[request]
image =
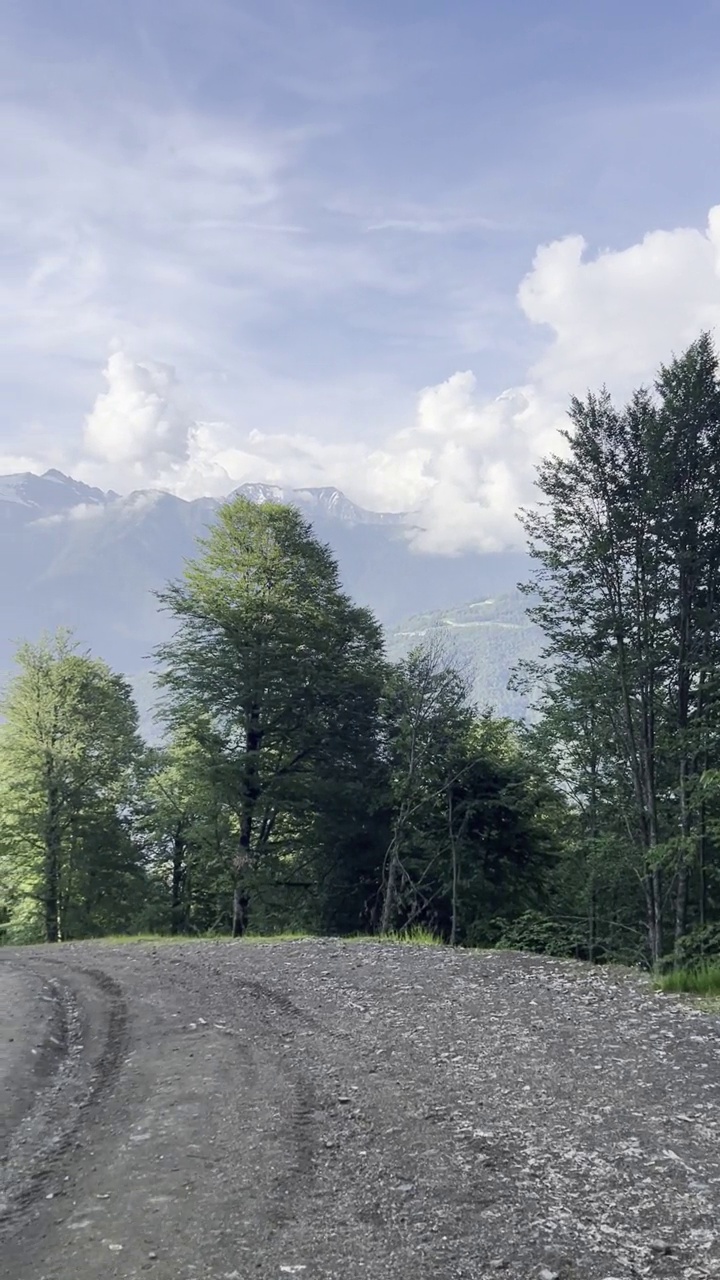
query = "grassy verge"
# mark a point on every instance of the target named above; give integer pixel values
(702, 982)
(413, 937)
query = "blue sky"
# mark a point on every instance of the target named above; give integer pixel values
(340, 242)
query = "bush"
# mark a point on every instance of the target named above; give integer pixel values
(698, 948)
(533, 931)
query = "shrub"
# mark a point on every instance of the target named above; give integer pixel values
(533, 931)
(698, 948)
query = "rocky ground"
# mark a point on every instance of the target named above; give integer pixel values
(225, 1111)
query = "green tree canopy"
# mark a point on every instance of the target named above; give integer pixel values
(69, 756)
(276, 672)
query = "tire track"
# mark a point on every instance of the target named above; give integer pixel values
(302, 1105)
(86, 1047)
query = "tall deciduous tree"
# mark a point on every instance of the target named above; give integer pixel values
(627, 541)
(277, 670)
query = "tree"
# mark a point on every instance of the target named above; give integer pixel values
(69, 752)
(186, 832)
(627, 542)
(277, 676)
(426, 712)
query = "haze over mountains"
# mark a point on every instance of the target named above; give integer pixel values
(75, 555)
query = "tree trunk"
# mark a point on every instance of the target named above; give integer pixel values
(248, 807)
(702, 880)
(178, 912)
(454, 856)
(241, 902)
(658, 941)
(390, 891)
(52, 862)
(681, 901)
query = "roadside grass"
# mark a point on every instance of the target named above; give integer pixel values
(415, 936)
(703, 981)
(418, 937)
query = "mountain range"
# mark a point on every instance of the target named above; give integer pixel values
(75, 555)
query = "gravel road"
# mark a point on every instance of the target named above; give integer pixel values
(350, 1111)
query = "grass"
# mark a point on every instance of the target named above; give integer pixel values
(418, 936)
(701, 981)
(415, 936)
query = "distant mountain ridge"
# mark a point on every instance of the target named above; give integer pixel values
(325, 499)
(61, 493)
(75, 555)
(50, 492)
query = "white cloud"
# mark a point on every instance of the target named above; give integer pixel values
(613, 319)
(138, 421)
(81, 511)
(615, 316)
(464, 461)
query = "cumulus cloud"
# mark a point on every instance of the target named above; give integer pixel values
(611, 318)
(465, 460)
(139, 421)
(615, 315)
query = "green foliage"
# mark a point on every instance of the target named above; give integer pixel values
(626, 538)
(698, 948)
(533, 931)
(69, 761)
(698, 980)
(275, 675)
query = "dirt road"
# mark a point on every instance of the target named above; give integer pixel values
(327, 1110)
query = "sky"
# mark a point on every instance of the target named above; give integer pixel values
(371, 245)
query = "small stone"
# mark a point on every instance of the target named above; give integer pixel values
(546, 1274)
(660, 1246)
(152, 1255)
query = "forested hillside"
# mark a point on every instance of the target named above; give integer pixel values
(313, 777)
(485, 640)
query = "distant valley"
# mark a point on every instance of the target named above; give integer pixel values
(485, 639)
(74, 555)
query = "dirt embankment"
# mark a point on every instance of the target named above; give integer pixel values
(320, 1109)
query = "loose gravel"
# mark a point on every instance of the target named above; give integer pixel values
(332, 1110)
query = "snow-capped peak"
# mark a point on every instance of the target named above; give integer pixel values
(47, 494)
(260, 493)
(324, 500)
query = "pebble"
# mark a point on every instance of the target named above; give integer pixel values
(659, 1246)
